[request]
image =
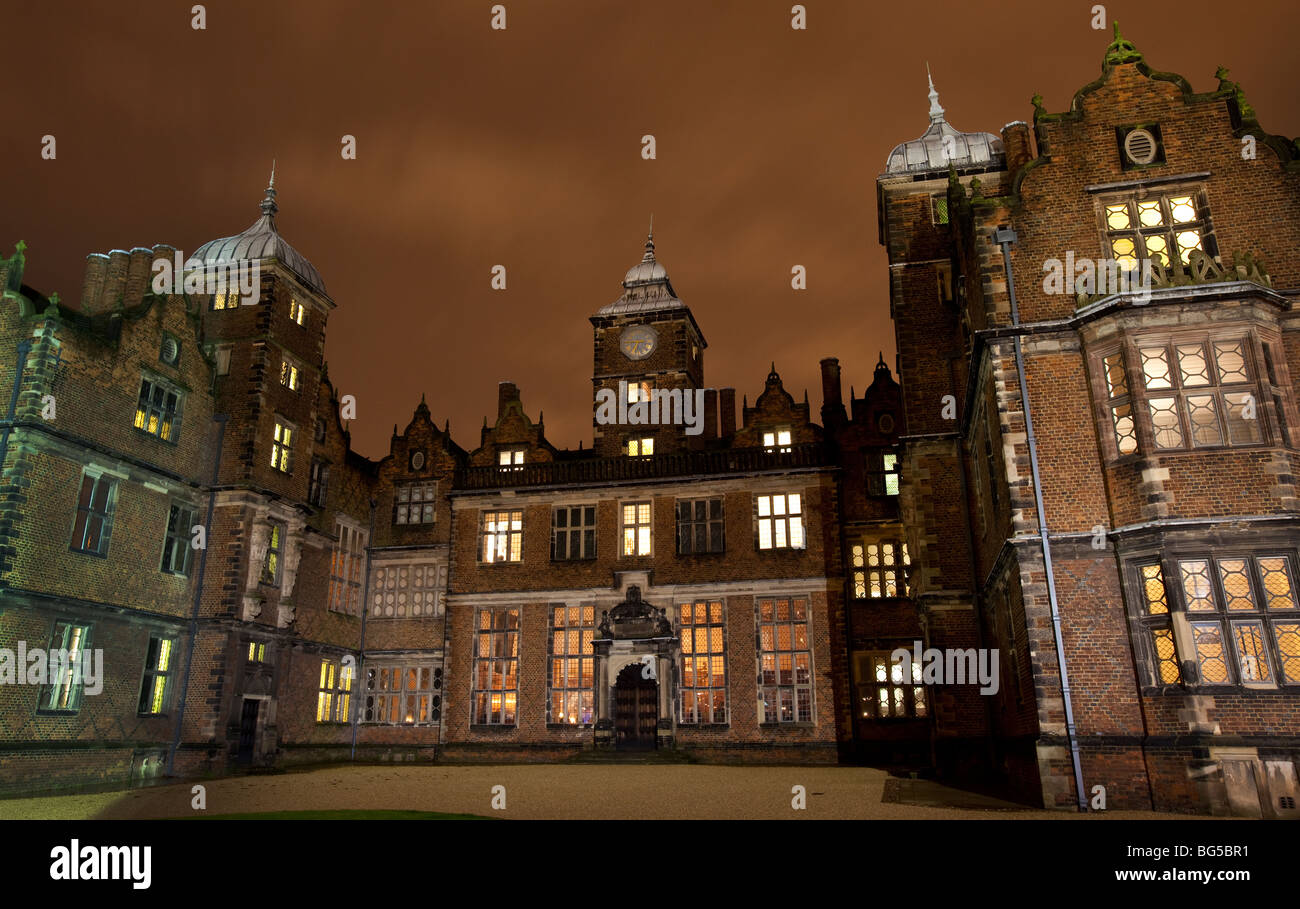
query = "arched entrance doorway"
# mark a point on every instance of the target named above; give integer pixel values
(636, 709)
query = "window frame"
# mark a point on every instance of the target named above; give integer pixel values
(784, 520)
(70, 688)
(511, 535)
(387, 695)
(688, 523)
(159, 701)
(168, 415)
(506, 715)
(561, 655)
(178, 537)
(911, 706)
(282, 454)
(865, 576)
(318, 482)
(715, 657)
(775, 651)
(637, 527)
(347, 567)
(273, 557)
(585, 531)
(425, 504)
(81, 525)
(334, 692)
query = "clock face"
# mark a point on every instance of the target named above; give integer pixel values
(638, 342)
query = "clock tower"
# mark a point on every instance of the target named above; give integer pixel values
(646, 341)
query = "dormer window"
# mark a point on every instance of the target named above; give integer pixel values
(640, 448)
(777, 439)
(510, 458)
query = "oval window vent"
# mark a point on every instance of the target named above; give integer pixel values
(417, 460)
(1140, 146)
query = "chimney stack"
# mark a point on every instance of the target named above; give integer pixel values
(727, 412)
(506, 392)
(832, 395)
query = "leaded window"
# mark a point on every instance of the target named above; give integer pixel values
(158, 410)
(1158, 226)
(571, 689)
(334, 697)
(1200, 393)
(177, 551)
(66, 682)
(496, 667)
(703, 690)
(880, 569)
(415, 503)
(156, 683)
(402, 695)
(94, 522)
(502, 536)
(346, 567)
(785, 661)
(636, 529)
(885, 690)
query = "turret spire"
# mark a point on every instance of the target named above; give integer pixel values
(269, 208)
(936, 112)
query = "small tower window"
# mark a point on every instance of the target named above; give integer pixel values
(939, 208)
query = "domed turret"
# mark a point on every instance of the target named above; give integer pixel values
(645, 286)
(942, 146)
(261, 242)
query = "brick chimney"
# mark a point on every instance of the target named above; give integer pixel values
(710, 413)
(727, 412)
(1016, 142)
(832, 395)
(506, 392)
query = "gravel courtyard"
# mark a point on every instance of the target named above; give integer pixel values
(566, 791)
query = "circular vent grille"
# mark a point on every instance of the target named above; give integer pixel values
(417, 460)
(1140, 146)
(171, 350)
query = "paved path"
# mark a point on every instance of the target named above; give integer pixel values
(543, 791)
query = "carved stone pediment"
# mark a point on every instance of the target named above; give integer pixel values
(634, 618)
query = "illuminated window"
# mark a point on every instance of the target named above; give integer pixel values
(297, 312)
(334, 699)
(282, 447)
(289, 374)
(703, 690)
(158, 410)
(94, 522)
(402, 695)
(700, 526)
(1157, 227)
(496, 667)
(318, 486)
(939, 208)
(177, 550)
(271, 558)
(156, 683)
(639, 392)
(510, 458)
(415, 503)
(63, 692)
(345, 568)
(882, 473)
(408, 589)
(1163, 654)
(777, 439)
(640, 448)
(780, 521)
(880, 569)
(503, 536)
(883, 690)
(573, 532)
(1200, 393)
(571, 690)
(1242, 612)
(636, 529)
(1119, 403)
(256, 652)
(227, 300)
(785, 661)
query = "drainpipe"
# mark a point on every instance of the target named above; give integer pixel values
(1004, 237)
(361, 655)
(220, 420)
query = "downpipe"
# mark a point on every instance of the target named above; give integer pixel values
(1004, 237)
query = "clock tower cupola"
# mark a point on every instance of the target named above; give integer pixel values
(645, 341)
